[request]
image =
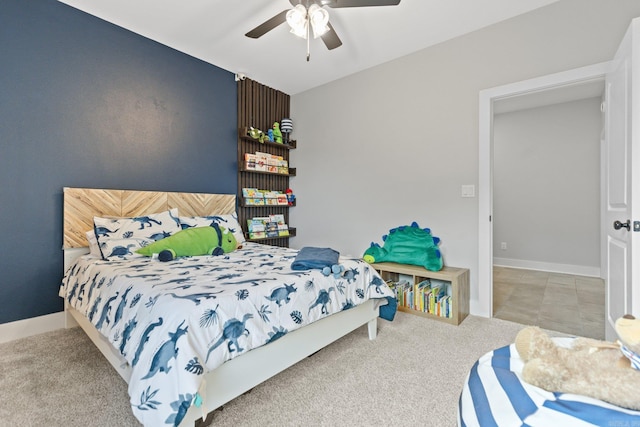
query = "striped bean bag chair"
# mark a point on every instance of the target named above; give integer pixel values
(495, 395)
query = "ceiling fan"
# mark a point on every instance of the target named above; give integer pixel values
(308, 15)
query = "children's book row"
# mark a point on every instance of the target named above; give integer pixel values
(255, 197)
(267, 226)
(429, 296)
(265, 162)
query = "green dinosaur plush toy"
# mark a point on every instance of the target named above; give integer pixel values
(277, 134)
(209, 240)
(257, 134)
(407, 245)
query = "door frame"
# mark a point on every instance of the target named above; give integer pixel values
(487, 98)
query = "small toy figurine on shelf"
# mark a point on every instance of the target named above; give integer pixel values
(256, 134)
(291, 198)
(277, 135)
(270, 135)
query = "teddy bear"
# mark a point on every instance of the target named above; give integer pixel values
(589, 367)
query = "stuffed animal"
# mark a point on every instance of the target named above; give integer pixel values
(257, 134)
(407, 245)
(589, 367)
(336, 269)
(628, 330)
(277, 134)
(209, 240)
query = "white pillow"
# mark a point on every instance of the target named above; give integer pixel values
(228, 221)
(119, 238)
(94, 249)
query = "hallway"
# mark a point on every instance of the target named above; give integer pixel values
(560, 302)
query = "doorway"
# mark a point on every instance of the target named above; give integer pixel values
(530, 91)
(546, 210)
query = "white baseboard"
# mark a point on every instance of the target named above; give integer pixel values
(476, 309)
(32, 326)
(578, 270)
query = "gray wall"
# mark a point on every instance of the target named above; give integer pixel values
(395, 143)
(546, 185)
(87, 104)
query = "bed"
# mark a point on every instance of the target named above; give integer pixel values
(192, 334)
(495, 395)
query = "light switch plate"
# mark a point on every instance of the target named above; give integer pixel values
(468, 191)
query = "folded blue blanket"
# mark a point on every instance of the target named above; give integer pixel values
(310, 257)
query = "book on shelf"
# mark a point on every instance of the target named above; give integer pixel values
(283, 230)
(272, 165)
(250, 161)
(257, 235)
(252, 193)
(277, 218)
(256, 224)
(271, 228)
(261, 161)
(256, 228)
(268, 226)
(254, 201)
(428, 296)
(283, 167)
(256, 197)
(265, 162)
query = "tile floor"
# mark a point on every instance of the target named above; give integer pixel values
(560, 302)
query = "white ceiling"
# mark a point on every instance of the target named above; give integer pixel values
(213, 31)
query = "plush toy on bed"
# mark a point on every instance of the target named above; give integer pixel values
(407, 245)
(336, 269)
(592, 368)
(209, 240)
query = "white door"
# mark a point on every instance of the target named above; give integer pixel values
(621, 169)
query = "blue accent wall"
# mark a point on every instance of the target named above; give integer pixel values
(84, 103)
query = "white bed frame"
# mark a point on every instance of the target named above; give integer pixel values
(238, 375)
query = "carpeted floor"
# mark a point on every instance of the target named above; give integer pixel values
(411, 375)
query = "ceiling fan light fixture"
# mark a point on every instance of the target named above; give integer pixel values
(297, 20)
(319, 19)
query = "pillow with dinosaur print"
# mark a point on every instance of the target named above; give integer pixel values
(118, 238)
(228, 221)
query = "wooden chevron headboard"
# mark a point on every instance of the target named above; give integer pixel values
(82, 204)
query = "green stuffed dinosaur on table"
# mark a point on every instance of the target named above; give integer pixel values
(209, 240)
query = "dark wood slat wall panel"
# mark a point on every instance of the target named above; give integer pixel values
(260, 106)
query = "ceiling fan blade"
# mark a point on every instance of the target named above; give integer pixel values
(359, 3)
(268, 25)
(347, 3)
(331, 39)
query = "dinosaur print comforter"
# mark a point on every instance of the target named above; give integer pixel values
(174, 321)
